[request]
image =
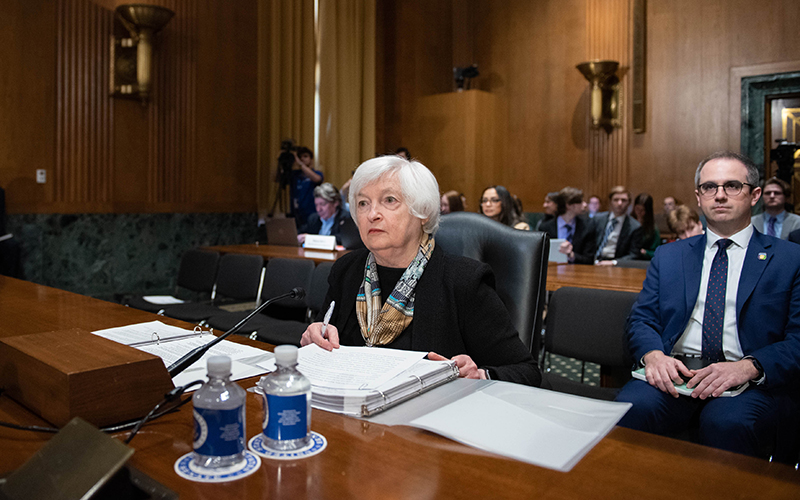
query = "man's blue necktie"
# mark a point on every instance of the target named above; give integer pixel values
(570, 233)
(714, 312)
(771, 226)
(609, 229)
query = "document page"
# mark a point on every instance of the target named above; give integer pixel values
(145, 333)
(353, 367)
(545, 428)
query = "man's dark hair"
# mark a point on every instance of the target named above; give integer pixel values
(568, 196)
(753, 174)
(302, 150)
(785, 187)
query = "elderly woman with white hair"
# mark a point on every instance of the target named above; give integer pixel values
(404, 292)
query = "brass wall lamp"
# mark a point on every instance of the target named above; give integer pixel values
(132, 58)
(605, 93)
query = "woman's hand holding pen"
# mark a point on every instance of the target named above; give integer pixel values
(313, 335)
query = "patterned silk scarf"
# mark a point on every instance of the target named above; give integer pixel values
(381, 325)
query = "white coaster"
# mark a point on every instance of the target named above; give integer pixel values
(186, 468)
(258, 445)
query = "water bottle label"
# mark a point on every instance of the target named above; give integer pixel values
(219, 432)
(285, 417)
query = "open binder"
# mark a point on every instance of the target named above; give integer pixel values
(363, 381)
(421, 377)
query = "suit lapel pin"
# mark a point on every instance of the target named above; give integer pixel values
(762, 256)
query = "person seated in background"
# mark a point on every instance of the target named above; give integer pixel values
(497, 204)
(329, 216)
(570, 225)
(404, 292)
(593, 207)
(670, 203)
(717, 311)
(451, 202)
(776, 221)
(643, 213)
(618, 236)
(684, 222)
(550, 207)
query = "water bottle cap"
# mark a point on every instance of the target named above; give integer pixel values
(219, 366)
(286, 355)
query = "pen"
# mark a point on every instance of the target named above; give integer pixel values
(327, 318)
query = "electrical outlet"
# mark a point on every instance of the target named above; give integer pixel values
(41, 176)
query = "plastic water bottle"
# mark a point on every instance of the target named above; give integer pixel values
(219, 418)
(287, 403)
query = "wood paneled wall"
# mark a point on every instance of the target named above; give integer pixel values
(527, 51)
(192, 148)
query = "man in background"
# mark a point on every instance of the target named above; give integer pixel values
(776, 221)
(618, 235)
(304, 180)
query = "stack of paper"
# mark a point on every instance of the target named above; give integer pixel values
(367, 380)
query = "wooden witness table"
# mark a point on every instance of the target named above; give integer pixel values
(601, 277)
(285, 252)
(366, 460)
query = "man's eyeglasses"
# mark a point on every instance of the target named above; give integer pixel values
(732, 188)
(484, 201)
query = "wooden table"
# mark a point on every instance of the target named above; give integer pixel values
(285, 252)
(366, 460)
(602, 277)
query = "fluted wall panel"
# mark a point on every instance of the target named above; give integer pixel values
(171, 118)
(84, 112)
(608, 37)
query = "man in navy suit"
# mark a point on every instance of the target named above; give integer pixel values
(619, 236)
(729, 301)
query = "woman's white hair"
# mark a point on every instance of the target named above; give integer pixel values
(418, 185)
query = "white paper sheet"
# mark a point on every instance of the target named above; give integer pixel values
(141, 333)
(353, 367)
(537, 426)
(163, 299)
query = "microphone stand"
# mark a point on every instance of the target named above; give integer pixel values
(197, 353)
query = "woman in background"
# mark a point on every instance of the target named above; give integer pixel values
(451, 202)
(643, 213)
(497, 204)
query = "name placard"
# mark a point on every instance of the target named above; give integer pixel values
(319, 242)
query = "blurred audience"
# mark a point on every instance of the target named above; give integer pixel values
(497, 203)
(329, 216)
(619, 236)
(570, 225)
(643, 213)
(594, 206)
(451, 202)
(684, 222)
(776, 221)
(550, 207)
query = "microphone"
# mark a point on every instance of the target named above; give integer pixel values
(197, 353)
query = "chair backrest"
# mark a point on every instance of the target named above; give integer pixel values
(318, 289)
(517, 258)
(283, 275)
(239, 276)
(589, 325)
(638, 264)
(198, 270)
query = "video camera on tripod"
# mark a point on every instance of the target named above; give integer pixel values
(286, 161)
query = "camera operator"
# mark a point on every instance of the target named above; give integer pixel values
(295, 170)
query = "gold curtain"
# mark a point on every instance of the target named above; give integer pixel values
(286, 59)
(347, 86)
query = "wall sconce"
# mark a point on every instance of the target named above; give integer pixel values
(132, 58)
(605, 93)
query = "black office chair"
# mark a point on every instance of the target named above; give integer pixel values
(197, 272)
(278, 332)
(282, 275)
(517, 258)
(238, 280)
(638, 264)
(589, 325)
